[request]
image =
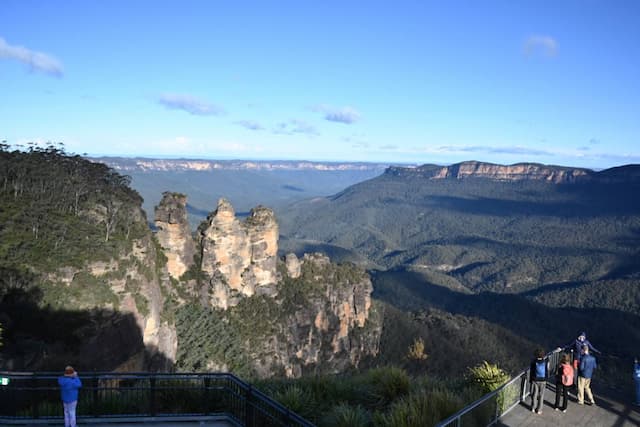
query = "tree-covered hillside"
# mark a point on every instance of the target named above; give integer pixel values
(483, 234)
(69, 232)
(525, 259)
(60, 210)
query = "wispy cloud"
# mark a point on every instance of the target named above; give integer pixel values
(347, 115)
(388, 147)
(190, 104)
(295, 126)
(540, 45)
(250, 124)
(492, 150)
(357, 141)
(36, 61)
(594, 141)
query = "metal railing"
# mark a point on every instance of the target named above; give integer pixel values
(28, 396)
(487, 410)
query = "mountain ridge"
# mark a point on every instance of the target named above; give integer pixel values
(205, 165)
(517, 171)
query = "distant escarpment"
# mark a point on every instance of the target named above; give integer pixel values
(518, 171)
(248, 311)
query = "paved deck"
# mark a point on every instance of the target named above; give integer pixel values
(124, 423)
(611, 410)
(149, 424)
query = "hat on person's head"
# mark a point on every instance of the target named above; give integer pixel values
(69, 371)
(582, 334)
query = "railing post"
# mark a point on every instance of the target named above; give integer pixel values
(34, 400)
(206, 395)
(152, 395)
(248, 407)
(95, 395)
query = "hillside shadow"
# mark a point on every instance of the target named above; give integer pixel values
(613, 331)
(37, 338)
(552, 287)
(594, 200)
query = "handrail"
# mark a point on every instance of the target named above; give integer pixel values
(487, 410)
(35, 395)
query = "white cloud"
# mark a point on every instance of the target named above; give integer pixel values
(347, 115)
(295, 126)
(540, 45)
(36, 61)
(190, 104)
(250, 124)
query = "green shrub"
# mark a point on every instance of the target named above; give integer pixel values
(297, 399)
(487, 376)
(419, 410)
(384, 385)
(344, 415)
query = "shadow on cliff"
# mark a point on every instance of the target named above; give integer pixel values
(612, 331)
(39, 338)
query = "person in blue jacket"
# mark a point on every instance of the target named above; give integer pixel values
(69, 385)
(636, 377)
(587, 366)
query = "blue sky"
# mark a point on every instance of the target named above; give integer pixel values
(554, 82)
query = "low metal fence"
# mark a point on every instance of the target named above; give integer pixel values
(27, 396)
(487, 410)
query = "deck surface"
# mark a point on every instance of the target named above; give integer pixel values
(611, 410)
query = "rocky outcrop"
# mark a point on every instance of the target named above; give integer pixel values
(515, 172)
(174, 233)
(128, 329)
(326, 323)
(293, 265)
(239, 257)
(288, 316)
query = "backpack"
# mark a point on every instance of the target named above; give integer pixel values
(567, 374)
(541, 370)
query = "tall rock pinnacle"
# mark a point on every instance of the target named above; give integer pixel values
(240, 257)
(174, 233)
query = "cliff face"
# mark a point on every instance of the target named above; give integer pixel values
(240, 257)
(326, 324)
(138, 337)
(519, 171)
(174, 233)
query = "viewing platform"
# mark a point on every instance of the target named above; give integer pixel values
(223, 400)
(129, 399)
(510, 406)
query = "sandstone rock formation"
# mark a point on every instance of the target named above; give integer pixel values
(290, 316)
(240, 257)
(326, 323)
(519, 171)
(174, 233)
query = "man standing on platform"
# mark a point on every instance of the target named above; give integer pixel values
(585, 373)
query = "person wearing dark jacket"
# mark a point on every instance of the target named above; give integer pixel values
(69, 385)
(576, 347)
(587, 366)
(538, 373)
